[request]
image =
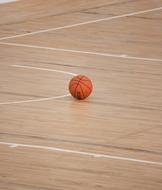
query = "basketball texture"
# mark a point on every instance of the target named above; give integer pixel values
(80, 87)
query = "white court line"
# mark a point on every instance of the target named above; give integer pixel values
(43, 69)
(34, 100)
(55, 149)
(7, 1)
(40, 99)
(123, 56)
(83, 23)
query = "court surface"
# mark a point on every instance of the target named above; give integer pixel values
(110, 141)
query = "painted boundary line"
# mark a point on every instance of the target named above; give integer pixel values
(34, 100)
(7, 1)
(123, 56)
(43, 69)
(83, 23)
(40, 99)
(82, 153)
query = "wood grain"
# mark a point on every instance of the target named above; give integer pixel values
(122, 117)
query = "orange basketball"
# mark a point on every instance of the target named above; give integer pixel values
(80, 87)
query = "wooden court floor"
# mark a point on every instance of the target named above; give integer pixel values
(110, 141)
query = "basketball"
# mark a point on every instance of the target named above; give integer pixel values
(80, 87)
